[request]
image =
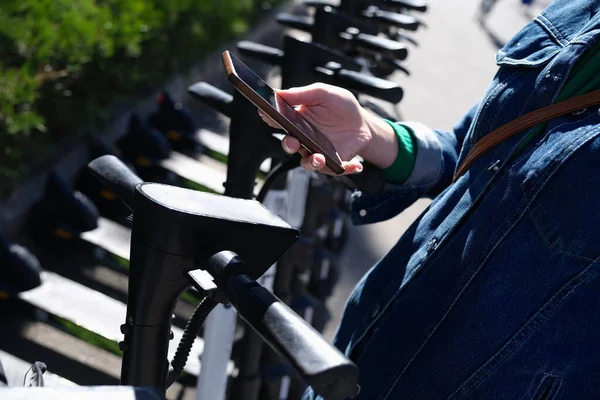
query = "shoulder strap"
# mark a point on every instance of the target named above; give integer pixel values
(525, 122)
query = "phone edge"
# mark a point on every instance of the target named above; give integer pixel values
(275, 115)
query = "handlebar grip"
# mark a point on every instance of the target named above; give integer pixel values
(304, 24)
(115, 175)
(268, 54)
(213, 97)
(415, 5)
(392, 18)
(383, 45)
(362, 83)
(323, 366)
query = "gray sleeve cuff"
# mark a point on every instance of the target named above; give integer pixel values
(427, 171)
(429, 161)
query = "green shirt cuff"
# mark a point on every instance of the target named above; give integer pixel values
(400, 170)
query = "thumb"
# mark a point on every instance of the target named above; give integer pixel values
(310, 95)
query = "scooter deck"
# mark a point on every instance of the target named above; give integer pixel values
(110, 236)
(208, 173)
(218, 147)
(81, 392)
(211, 177)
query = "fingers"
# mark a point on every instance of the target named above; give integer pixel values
(352, 167)
(313, 162)
(316, 162)
(310, 95)
(291, 145)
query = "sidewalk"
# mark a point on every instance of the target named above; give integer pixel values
(450, 70)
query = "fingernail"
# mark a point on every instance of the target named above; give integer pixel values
(315, 164)
(285, 147)
(359, 168)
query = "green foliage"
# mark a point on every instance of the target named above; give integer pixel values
(65, 64)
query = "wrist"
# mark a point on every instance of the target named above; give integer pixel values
(382, 148)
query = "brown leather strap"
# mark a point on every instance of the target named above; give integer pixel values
(525, 122)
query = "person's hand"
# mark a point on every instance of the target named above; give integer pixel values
(337, 114)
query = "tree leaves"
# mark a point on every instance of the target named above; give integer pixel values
(64, 62)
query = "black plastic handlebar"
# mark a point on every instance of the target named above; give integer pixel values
(323, 366)
(267, 54)
(398, 20)
(360, 82)
(376, 87)
(319, 3)
(305, 24)
(415, 5)
(214, 97)
(381, 45)
(116, 176)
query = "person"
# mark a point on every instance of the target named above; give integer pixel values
(493, 292)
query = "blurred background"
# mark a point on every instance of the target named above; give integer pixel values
(79, 79)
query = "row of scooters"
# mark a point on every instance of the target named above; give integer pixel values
(354, 44)
(66, 210)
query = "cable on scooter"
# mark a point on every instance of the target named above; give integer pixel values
(192, 328)
(275, 174)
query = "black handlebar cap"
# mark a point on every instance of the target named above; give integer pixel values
(116, 177)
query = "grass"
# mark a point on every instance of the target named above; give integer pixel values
(87, 335)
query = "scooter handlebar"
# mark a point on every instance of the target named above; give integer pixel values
(382, 89)
(415, 5)
(116, 176)
(257, 51)
(304, 24)
(214, 97)
(327, 370)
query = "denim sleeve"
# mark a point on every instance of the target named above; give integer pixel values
(435, 163)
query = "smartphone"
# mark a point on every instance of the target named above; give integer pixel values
(257, 91)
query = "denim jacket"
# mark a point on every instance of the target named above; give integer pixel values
(494, 291)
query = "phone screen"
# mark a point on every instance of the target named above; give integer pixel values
(263, 90)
